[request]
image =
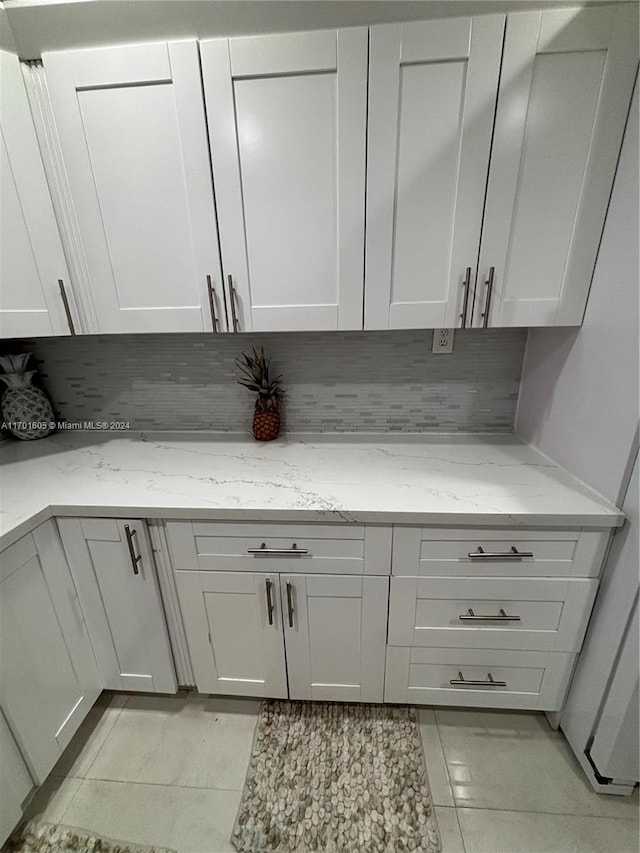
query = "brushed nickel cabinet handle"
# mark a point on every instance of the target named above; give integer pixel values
(67, 309)
(294, 551)
(232, 300)
(466, 284)
(269, 585)
(513, 554)
(470, 616)
(135, 558)
(290, 603)
(212, 304)
(487, 304)
(461, 680)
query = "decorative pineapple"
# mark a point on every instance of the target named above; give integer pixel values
(254, 375)
(25, 408)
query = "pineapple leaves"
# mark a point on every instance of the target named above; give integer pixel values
(254, 375)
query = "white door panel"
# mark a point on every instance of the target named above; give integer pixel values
(431, 104)
(31, 259)
(565, 88)
(287, 125)
(335, 633)
(234, 632)
(48, 680)
(132, 128)
(121, 602)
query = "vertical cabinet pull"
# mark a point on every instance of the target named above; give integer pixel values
(269, 586)
(466, 284)
(487, 303)
(67, 309)
(232, 301)
(212, 304)
(290, 603)
(135, 558)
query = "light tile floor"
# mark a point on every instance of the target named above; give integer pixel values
(169, 770)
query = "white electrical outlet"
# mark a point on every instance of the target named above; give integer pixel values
(442, 340)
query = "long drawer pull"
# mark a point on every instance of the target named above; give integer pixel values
(470, 616)
(135, 558)
(470, 683)
(294, 551)
(513, 554)
(269, 584)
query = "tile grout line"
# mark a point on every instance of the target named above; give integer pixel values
(104, 740)
(464, 846)
(162, 785)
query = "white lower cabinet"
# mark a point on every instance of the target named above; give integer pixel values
(233, 624)
(111, 563)
(538, 614)
(15, 781)
(335, 630)
(477, 677)
(48, 675)
(250, 632)
(489, 618)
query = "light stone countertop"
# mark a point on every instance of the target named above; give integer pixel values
(429, 479)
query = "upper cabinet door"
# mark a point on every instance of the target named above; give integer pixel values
(287, 128)
(432, 93)
(133, 134)
(31, 260)
(566, 84)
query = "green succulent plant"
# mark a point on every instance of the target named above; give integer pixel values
(254, 375)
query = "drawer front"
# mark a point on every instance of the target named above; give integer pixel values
(490, 613)
(480, 553)
(309, 548)
(477, 677)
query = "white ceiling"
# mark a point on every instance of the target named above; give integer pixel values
(39, 25)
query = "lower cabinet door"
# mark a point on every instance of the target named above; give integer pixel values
(234, 632)
(335, 634)
(48, 679)
(113, 570)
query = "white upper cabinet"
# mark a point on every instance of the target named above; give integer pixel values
(32, 263)
(133, 135)
(566, 83)
(432, 92)
(287, 129)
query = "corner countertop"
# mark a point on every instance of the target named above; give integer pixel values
(428, 479)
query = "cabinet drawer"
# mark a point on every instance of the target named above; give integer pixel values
(532, 680)
(482, 552)
(309, 548)
(530, 613)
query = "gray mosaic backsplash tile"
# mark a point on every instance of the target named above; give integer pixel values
(335, 382)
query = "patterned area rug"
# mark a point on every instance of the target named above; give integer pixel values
(336, 778)
(40, 837)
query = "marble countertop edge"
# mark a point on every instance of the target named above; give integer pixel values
(459, 480)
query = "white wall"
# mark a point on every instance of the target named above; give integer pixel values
(579, 391)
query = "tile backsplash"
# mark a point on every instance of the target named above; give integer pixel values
(335, 382)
